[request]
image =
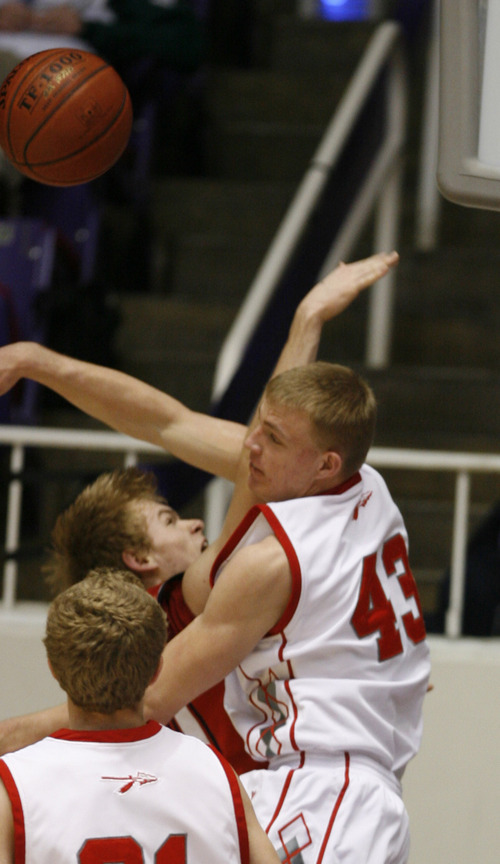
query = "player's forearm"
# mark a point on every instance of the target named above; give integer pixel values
(128, 405)
(328, 299)
(301, 346)
(191, 665)
(18, 732)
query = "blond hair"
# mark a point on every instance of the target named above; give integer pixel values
(104, 638)
(339, 403)
(101, 523)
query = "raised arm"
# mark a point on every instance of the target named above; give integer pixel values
(325, 301)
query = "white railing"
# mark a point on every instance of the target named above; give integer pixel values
(462, 465)
(20, 437)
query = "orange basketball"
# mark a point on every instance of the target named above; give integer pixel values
(65, 116)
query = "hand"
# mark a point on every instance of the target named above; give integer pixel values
(64, 20)
(15, 17)
(337, 290)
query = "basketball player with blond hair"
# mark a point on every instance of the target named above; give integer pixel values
(112, 787)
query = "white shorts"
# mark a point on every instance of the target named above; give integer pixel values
(348, 812)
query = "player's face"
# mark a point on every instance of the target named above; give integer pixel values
(284, 461)
(175, 542)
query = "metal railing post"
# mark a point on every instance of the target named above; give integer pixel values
(453, 625)
(14, 501)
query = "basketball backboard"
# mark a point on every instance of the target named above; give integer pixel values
(469, 95)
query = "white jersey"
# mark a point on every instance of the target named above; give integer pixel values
(346, 668)
(147, 794)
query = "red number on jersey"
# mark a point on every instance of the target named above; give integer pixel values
(374, 611)
(395, 550)
(126, 850)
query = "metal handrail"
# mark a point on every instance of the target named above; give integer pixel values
(20, 437)
(380, 192)
(463, 465)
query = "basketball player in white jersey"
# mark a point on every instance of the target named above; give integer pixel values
(325, 793)
(314, 617)
(112, 787)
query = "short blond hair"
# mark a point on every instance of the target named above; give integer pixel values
(99, 526)
(104, 638)
(339, 403)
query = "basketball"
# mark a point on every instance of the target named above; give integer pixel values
(65, 117)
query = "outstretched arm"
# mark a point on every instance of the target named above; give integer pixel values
(128, 405)
(135, 408)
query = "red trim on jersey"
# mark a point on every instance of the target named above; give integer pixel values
(251, 516)
(288, 549)
(110, 736)
(239, 809)
(295, 714)
(257, 707)
(266, 730)
(233, 541)
(17, 814)
(293, 561)
(335, 809)
(171, 599)
(343, 487)
(286, 786)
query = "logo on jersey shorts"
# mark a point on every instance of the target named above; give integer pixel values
(294, 837)
(279, 715)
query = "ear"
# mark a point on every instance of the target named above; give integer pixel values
(141, 563)
(330, 466)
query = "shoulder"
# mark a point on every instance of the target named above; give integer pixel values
(264, 559)
(256, 583)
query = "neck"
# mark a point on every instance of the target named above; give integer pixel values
(126, 718)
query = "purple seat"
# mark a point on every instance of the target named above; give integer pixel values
(75, 212)
(27, 248)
